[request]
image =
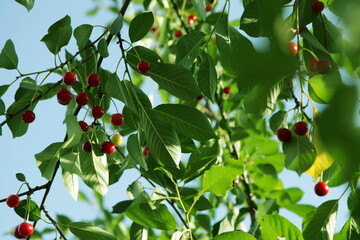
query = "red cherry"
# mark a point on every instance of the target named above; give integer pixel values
(143, 66)
(17, 234)
(208, 7)
(227, 90)
(317, 6)
(146, 151)
(293, 48)
(284, 134)
(301, 128)
(26, 229)
(117, 119)
(84, 126)
(13, 201)
(312, 65)
(323, 66)
(69, 78)
(178, 33)
(192, 19)
(86, 146)
(82, 99)
(93, 80)
(28, 116)
(199, 97)
(321, 189)
(97, 112)
(108, 147)
(154, 29)
(64, 96)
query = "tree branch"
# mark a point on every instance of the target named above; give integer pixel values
(179, 16)
(29, 192)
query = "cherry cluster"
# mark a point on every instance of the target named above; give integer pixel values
(25, 229)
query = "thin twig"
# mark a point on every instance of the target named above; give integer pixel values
(29, 192)
(179, 16)
(62, 236)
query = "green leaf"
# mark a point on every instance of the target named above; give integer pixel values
(29, 83)
(201, 161)
(306, 15)
(175, 79)
(2, 107)
(3, 89)
(186, 120)
(158, 218)
(350, 231)
(140, 26)
(58, 35)
(73, 130)
(30, 208)
(321, 221)
(262, 99)
(121, 207)
(353, 205)
(328, 34)
(188, 48)
(300, 153)
(8, 57)
(140, 53)
(278, 120)
(85, 231)
(340, 136)
(137, 232)
(28, 4)
(82, 35)
(234, 235)
(135, 151)
(207, 78)
(251, 20)
(47, 159)
(116, 25)
(313, 41)
(71, 162)
(21, 177)
(161, 138)
(324, 86)
(218, 179)
(103, 48)
(94, 172)
(71, 182)
(200, 7)
(300, 209)
(276, 227)
(234, 51)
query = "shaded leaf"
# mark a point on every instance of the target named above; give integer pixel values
(47, 159)
(188, 48)
(85, 231)
(140, 26)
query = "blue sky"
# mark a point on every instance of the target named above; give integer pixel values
(17, 155)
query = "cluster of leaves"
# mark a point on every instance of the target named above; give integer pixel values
(233, 160)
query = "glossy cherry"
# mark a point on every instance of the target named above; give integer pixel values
(117, 119)
(93, 80)
(13, 201)
(301, 128)
(86, 146)
(82, 99)
(323, 66)
(26, 229)
(178, 34)
(69, 78)
(143, 66)
(312, 65)
(192, 19)
(293, 48)
(209, 7)
(317, 6)
(146, 151)
(97, 112)
(84, 126)
(64, 96)
(321, 189)
(108, 147)
(227, 90)
(284, 134)
(116, 139)
(199, 97)
(17, 234)
(28, 116)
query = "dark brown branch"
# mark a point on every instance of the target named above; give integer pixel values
(29, 192)
(62, 236)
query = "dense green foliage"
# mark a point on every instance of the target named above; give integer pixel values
(207, 148)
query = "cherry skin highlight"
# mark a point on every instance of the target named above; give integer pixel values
(13, 201)
(117, 119)
(143, 66)
(82, 99)
(64, 96)
(321, 189)
(69, 78)
(28, 116)
(108, 147)
(26, 229)
(97, 112)
(301, 128)
(84, 126)
(93, 80)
